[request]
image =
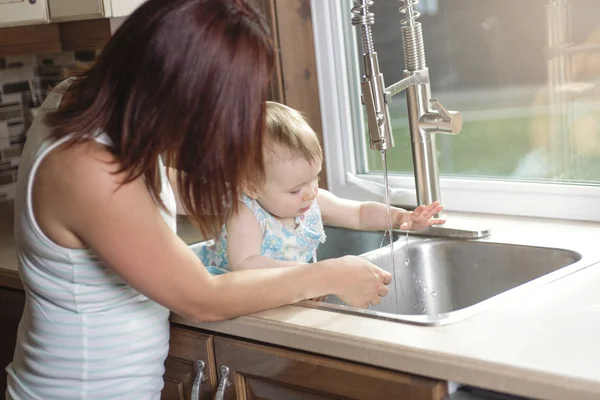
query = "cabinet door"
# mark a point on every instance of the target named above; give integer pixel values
(270, 373)
(22, 12)
(11, 307)
(275, 88)
(122, 8)
(187, 348)
(63, 10)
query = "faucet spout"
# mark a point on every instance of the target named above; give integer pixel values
(374, 97)
(375, 101)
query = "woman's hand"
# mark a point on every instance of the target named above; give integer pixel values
(420, 218)
(360, 282)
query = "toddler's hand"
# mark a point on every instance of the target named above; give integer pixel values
(420, 218)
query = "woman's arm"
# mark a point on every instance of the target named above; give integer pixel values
(372, 216)
(123, 225)
(244, 240)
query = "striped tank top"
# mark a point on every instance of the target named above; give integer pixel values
(84, 332)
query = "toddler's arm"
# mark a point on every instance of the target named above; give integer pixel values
(370, 215)
(244, 238)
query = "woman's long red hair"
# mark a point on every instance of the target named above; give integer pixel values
(183, 79)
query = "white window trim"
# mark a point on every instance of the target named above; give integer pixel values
(340, 121)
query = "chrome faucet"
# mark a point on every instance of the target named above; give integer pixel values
(426, 115)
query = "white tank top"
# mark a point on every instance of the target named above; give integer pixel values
(84, 333)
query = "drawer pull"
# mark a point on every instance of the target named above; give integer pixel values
(198, 380)
(224, 384)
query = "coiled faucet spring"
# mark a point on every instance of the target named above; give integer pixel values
(365, 19)
(408, 10)
(412, 37)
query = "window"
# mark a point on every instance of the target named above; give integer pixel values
(530, 142)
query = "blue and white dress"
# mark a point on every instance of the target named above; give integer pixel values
(279, 242)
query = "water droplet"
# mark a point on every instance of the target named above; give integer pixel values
(406, 259)
(433, 293)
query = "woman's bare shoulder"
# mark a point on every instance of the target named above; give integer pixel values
(72, 180)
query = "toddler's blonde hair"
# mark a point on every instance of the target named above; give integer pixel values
(287, 128)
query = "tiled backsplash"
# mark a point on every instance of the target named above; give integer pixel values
(24, 83)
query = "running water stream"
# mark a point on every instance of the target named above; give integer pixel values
(397, 284)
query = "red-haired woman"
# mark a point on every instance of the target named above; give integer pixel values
(181, 81)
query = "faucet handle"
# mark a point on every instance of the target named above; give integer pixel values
(442, 121)
(435, 103)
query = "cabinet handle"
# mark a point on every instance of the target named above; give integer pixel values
(198, 380)
(224, 384)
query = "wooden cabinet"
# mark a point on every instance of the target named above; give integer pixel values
(191, 360)
(11, 306)
(251, 371)
(23, 12)
(258, 371)
(65, 10)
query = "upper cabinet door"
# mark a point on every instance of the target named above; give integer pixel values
(122, 8)
(64, 10)
(23, 12)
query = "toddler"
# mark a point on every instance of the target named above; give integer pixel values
(281, 221)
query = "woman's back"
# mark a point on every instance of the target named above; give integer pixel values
(85, 333)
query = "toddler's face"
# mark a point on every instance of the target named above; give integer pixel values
(291, 187)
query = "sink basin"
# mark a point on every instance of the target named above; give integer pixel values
(445, 280)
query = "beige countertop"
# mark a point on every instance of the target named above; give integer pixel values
(541, 344)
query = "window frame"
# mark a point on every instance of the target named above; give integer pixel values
(344, 156)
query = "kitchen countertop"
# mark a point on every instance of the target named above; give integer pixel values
(540, 344)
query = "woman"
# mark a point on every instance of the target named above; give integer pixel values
(98, 254)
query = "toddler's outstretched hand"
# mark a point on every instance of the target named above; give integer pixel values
(420, 218)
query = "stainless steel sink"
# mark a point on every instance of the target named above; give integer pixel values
(446, 280)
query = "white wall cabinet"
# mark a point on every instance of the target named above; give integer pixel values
(23, 12)
(65, 10)
(122, 8)
(30, 12)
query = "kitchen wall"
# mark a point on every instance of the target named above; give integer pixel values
(24, 83)
(25, 80)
